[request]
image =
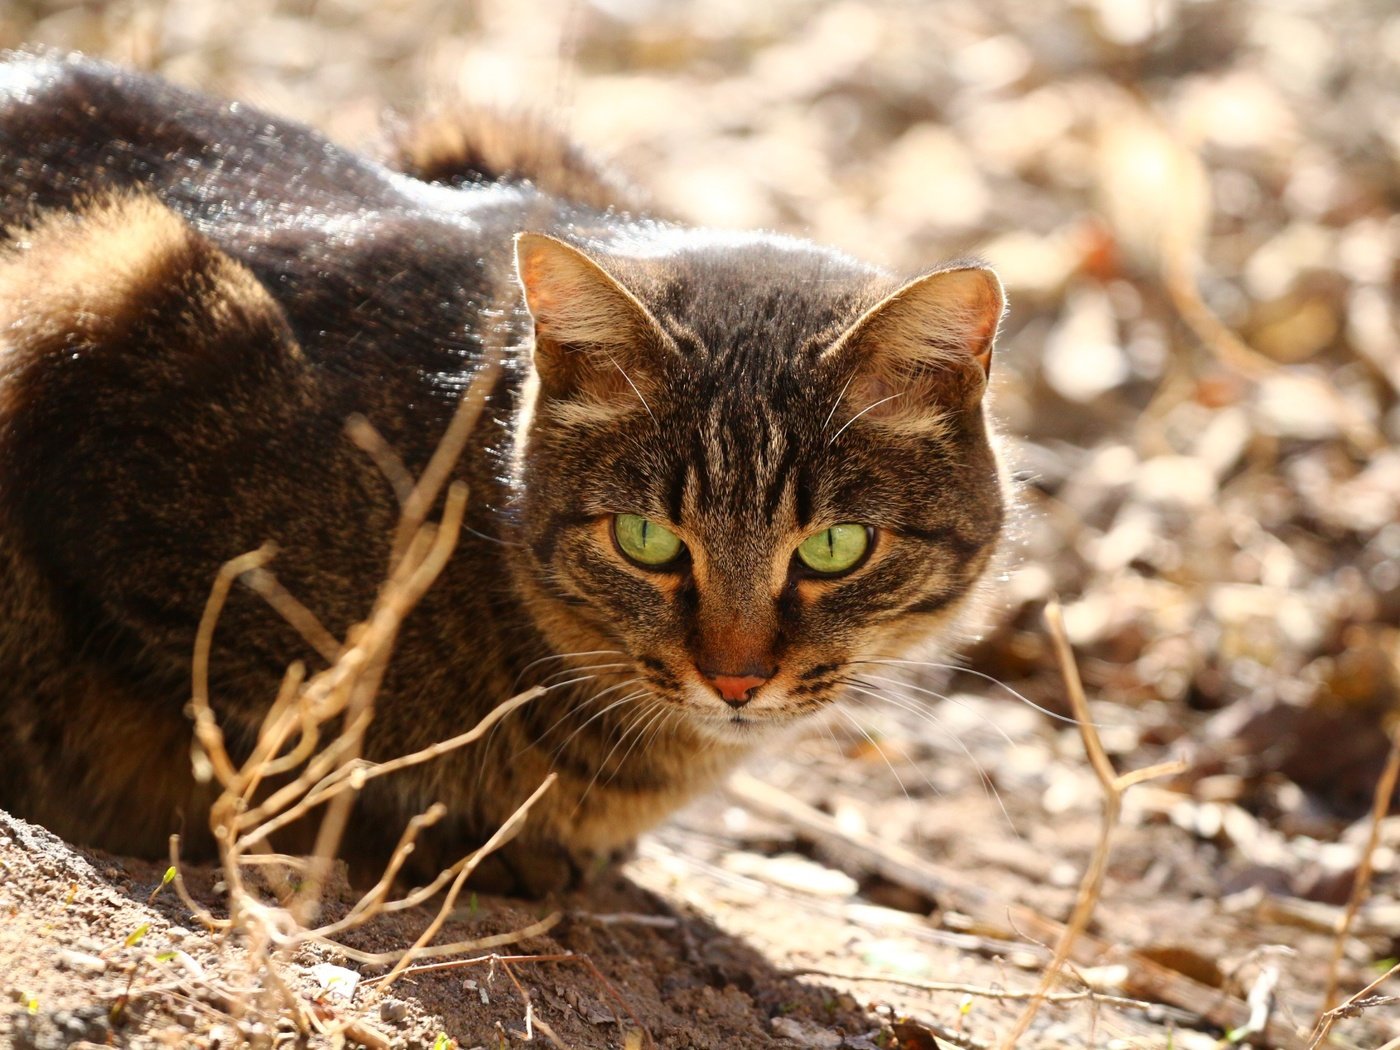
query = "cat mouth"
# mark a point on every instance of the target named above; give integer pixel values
(772, 706)
(736, 729)
(742, 726)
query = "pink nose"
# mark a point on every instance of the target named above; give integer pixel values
(735, 689)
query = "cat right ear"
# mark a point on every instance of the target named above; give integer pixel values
(593, 339)
(925, 350)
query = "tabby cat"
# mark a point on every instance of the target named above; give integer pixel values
(718, 470)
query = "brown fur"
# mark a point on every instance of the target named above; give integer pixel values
(194, 297)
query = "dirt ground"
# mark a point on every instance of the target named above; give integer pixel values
(1193, 204)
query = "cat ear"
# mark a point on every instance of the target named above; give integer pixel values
(926, 349)
(593, 339)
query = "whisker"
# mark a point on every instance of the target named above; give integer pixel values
(921, 711)
(849, 380)
(977, 674)
(634, 388)
(988, 722)
(576, 708)
(489, 741)
(587, 667)
(613, 706)
(862, 412)
(573, 681)
(880, 751)
(562, 656)
(491, 539)
(635, 724)
(649, 732)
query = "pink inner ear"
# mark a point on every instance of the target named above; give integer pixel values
(573, 300)
(982, 332)
(980, 341)
(541, 293)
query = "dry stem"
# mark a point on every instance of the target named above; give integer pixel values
(1380, 806)
(1113, 785)
(507, 960)
(1331, 1017)
(330, 774)
(981, 991)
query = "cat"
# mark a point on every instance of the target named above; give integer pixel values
(717, 471)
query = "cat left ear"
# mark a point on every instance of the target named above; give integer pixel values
(593, 339)
(927, 347)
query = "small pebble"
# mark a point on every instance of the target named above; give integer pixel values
(67, 959)
(393, 1010)
(805, 1034)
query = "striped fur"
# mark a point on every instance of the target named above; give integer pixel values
(194, 296)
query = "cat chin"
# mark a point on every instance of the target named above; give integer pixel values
(749, 726)
(738, 730)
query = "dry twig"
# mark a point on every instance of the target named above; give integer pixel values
(1347, 1009)
(329, 776)
(862, 851)
(1114, 785)
(507, 960)
(1380, 806)
(982, 991)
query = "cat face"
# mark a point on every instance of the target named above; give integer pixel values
(750, 464)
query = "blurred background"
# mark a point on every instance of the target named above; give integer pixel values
(1193, 204)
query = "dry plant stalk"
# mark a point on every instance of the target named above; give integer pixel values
(1114, 785)
(1354, 1004)
(330, 773)
(1380, 806)
(507, 961)
(979, 991)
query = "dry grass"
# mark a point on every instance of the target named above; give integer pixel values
(308, 761)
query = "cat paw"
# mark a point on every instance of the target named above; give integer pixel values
(536, 870)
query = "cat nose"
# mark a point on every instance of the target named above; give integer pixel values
(737, 689)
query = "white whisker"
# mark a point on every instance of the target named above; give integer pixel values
(576, 710)
(878, 750)
(989, 723)
(921, 711)
(634, 388)
(862, 412)
(563, 656)
(588, 667)
(648, 715)
(839, 397)
(976, 674)
(648, 732)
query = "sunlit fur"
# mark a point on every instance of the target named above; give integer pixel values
(194, 297)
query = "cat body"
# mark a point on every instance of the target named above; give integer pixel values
(196, 296)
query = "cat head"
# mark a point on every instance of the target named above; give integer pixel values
(749, 463)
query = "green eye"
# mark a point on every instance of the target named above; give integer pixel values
(646, 542)
(835, 550)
